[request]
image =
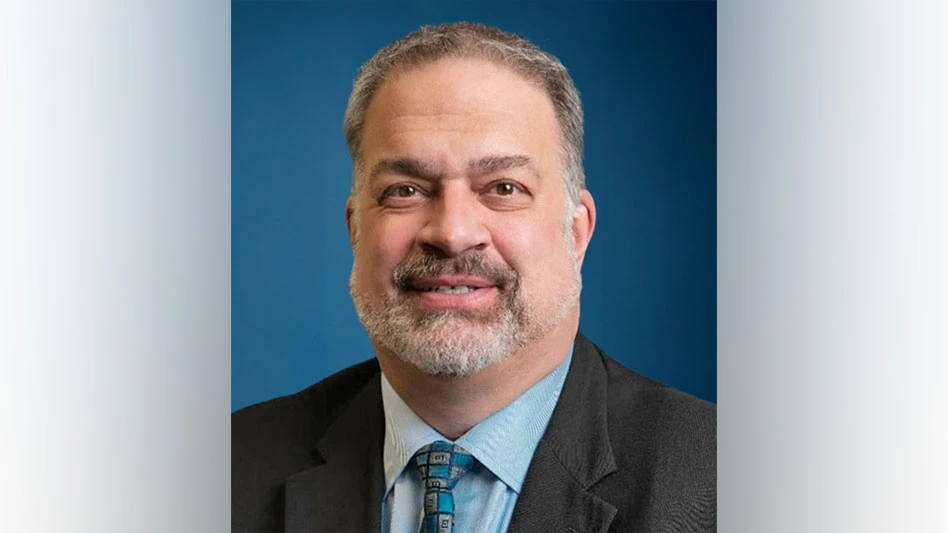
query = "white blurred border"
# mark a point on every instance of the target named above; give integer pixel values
(115, 258)
(115, 282)
(832, 262)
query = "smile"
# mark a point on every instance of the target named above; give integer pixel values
(454, 296)
(452, 289)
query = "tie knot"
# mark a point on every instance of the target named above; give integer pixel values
(441, 464)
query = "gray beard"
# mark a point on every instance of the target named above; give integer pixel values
(458, 343)
(446, 342)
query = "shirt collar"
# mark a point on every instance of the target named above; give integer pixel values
(503, 442)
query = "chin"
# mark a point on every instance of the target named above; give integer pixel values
(454, 350)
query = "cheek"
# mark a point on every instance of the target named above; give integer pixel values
(382, 245)
(535, 249)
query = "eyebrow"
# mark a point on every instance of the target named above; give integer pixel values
(406, 166)
(498, 163)
(417, 168)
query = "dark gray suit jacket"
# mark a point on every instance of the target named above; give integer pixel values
(621, 453)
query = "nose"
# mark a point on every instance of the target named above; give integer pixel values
(455, 224)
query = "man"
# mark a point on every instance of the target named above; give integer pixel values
(484, 409)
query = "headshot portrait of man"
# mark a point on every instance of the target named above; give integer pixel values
(485, 409)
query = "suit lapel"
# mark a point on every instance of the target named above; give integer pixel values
(573, 455)
(344, 493)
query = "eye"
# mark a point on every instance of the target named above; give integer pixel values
(402, 195)
(402, 190)
(505, 188)
(405, 191)
(506, 195)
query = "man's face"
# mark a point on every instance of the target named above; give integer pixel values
(463, 248)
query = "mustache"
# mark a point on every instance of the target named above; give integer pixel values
(412, 270)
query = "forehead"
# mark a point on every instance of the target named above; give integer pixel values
(454, 110)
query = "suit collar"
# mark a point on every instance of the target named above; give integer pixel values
(573, 455)
(332, 496)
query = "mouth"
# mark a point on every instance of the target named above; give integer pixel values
(449, 289)
(453, 292)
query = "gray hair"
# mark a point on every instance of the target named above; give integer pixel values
(464, 39)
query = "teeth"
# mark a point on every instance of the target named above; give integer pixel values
(461, 289)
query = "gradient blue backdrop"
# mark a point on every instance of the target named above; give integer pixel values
(646, 72)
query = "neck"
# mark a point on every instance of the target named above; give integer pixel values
(453, 406)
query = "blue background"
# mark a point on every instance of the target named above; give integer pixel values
(646, 73)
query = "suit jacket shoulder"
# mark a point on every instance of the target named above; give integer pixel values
(665, 445)
(276, 439)
(622, 453)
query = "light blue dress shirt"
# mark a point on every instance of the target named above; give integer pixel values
(503, 443)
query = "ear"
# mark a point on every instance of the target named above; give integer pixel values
(350, 222)
(584, 223)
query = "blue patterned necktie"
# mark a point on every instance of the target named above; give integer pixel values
(441, 465)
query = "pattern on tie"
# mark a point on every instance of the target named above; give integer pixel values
(441, 465)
